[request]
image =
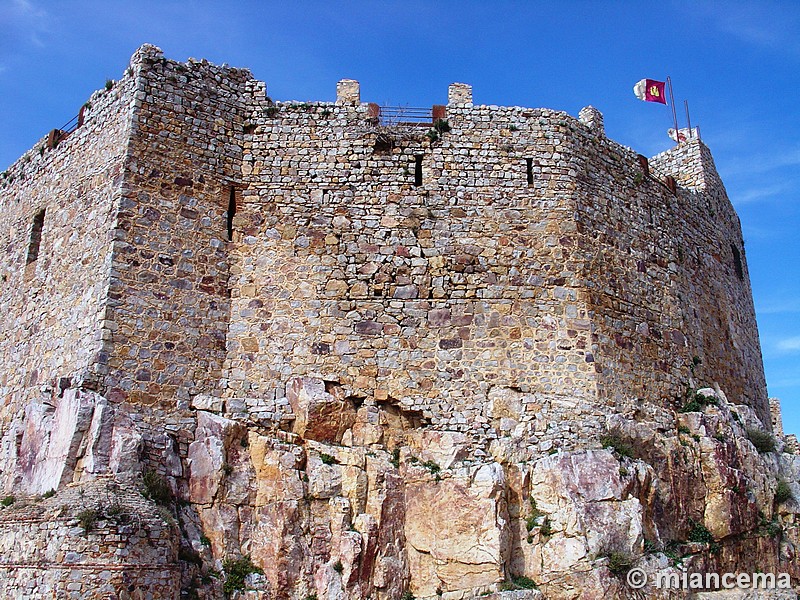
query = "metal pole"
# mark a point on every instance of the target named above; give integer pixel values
(674, 114)
(688, 120)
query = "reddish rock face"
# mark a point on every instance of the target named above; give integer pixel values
(319, 415)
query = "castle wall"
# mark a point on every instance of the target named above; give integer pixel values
(168, 300)
(592, 279)
(53, 308)
(426, 295)
(45, 553)
(671, 310)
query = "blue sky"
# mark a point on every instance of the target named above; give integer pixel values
(738, 64)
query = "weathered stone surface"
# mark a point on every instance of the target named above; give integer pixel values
(319, 415)
(456, 530)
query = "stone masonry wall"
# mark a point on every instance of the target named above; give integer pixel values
(168, 301)
(48, 553)
(591, 279)
(53, 308)
(428, 295)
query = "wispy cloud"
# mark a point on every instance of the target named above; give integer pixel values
(24, 22)
(769, 25)
(779, 307)
(758, 194)
(791, 344)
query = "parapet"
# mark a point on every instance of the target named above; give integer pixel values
(348, 91)
(459, 93)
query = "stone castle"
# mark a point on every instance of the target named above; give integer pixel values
(333, 350)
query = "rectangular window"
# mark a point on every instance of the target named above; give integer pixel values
(529, 170)
(418, 170)
(36, 237)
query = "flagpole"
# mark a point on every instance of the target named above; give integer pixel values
(674, 114)
(688, 120)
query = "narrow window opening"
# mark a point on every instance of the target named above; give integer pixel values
(418, 170)
(36, 237)
(737, 262)
(231, 212)
(529, 170)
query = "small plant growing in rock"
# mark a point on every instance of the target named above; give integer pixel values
(235, 573)
(617, 444)
(311, 596)
(327, 459)
(441, 126)
(205, 541)
(513, 128)
(8, 501)
(227, 469)
(431, 466)
(49, 494)
(396, 458)
(432, 135)
(699, 533)
(696, 402)
(87, 519)
(782, 492)
(109, 84)
(271, 111)
(338, 567)
(546, 529)
(683, 429)
(407, 595)
(762, 440)
(156, 488)
(619, 563)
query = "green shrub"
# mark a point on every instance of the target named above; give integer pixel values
(49, 494)
(762, 440)
(546, 529)
(441, 126)
(8, 501)
(156, 488)
(327, 458)
(696, 402)
(395, 460)
(617, 444)
(109, 84)
(205, 541)
(619, 563)
(87, 519)
(782, 492)
(699, 533)
(338, 567)
(407, 595)
(524, 583)
(236, 571)
(431, 466)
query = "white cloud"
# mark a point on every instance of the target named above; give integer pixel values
(791, 344)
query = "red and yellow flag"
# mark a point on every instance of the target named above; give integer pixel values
(650, 90)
